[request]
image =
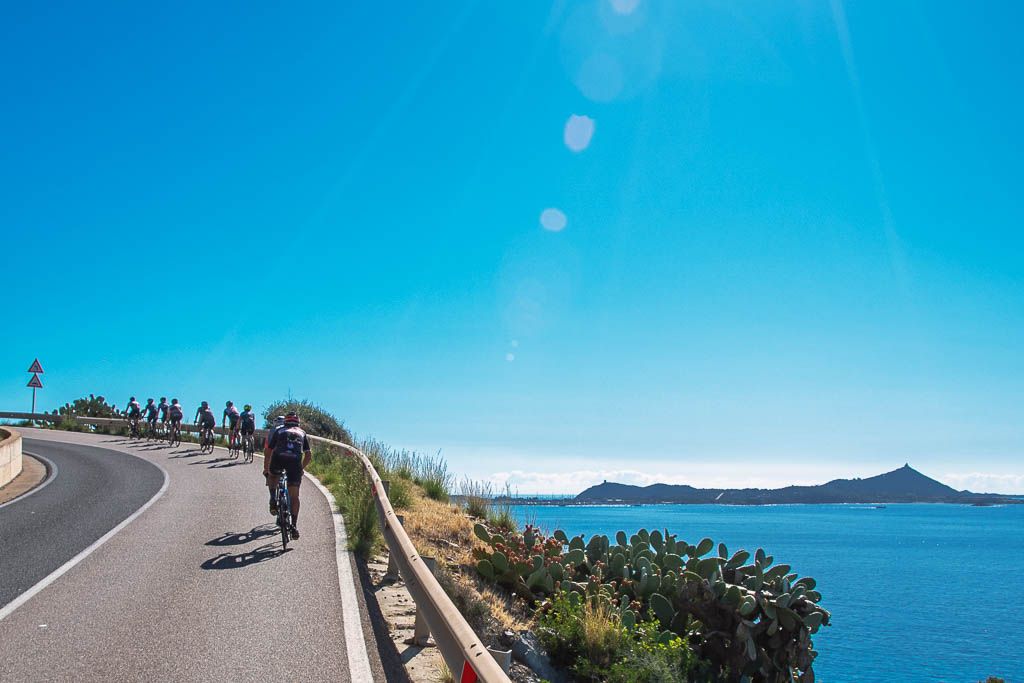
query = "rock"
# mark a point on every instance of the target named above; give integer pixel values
(528, 650)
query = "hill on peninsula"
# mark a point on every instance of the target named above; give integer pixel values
(903, 485)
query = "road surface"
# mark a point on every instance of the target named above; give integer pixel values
(195, 587)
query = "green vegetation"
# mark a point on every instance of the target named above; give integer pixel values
(586, 637)
(315, 419)
(747, 619)
(348, 482)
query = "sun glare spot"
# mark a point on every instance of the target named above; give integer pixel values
(624, 6)
(578, 131)
(553, 220)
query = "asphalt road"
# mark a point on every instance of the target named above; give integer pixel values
(94, 491)
(195, 588)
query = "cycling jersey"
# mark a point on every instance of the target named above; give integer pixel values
(288, 445)
(248, 419)
(232, 415)
(150, 413)
(163, 408)
(134, 408)
(176, 412)
(206, 417)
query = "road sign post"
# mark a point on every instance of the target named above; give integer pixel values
(36, 369)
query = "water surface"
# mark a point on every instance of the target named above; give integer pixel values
(917, 592)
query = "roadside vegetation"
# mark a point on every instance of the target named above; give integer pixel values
(633, 609)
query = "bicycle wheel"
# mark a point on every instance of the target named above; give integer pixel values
(284, 516)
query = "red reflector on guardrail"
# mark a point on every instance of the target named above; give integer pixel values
(468, 675)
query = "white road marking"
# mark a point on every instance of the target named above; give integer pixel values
(355, 643)
(9, 608)
(50, 476)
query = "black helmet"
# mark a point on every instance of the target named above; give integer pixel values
(149, 400)
(131, 399)
(229, 404)
(204, 405)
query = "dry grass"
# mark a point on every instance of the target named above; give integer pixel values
(445, 532)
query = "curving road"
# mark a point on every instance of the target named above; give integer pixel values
(194, 588)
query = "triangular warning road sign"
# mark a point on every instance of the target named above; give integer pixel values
(35, 383)
(36, 367)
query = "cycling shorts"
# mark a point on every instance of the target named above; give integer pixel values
(290, 464)
(151, 419)
(233, 421)
(207, 422)
(248, 428)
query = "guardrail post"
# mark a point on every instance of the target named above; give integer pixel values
(392, 573)
(502, 657)
(420, 630)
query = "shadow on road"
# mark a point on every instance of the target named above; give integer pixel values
(230, 463)
(261, 554)
(190, 453)
(205, 462)
(245, 537)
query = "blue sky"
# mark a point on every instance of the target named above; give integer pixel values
(791, 247)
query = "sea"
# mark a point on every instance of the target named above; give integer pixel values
(917, 592)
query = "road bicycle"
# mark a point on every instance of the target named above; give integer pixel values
(174, 434)
(248, 446)
(206, 440)
(133, 427)
(234, 444)
(284, 509)
(151, 430)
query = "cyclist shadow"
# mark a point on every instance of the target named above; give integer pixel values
(258, 532)
(186, 453)
(220, 462)
(205, 462)
(263, 553)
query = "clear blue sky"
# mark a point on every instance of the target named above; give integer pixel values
(792, 249)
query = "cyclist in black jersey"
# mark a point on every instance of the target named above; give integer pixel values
(288, 450)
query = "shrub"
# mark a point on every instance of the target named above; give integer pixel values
(752, 620)
(433, 476)
(476, 498)
(348, 483)
(586, 637)
(93, 406)
(315, 419)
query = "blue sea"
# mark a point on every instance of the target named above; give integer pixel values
(917, 592)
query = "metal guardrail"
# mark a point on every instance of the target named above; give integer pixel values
(466, 656)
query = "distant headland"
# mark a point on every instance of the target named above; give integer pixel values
(903, 485)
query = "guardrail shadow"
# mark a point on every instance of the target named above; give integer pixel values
(253, 534)
(267, 551)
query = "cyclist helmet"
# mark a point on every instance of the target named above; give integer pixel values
(291, 418)
(248, 407)
(174, 400)
(229, 404)
(131, 399)
(279, 420)
(204, 404)
(163, 399)
(149, 400)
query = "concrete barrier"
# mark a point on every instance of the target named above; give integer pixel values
(10, 455)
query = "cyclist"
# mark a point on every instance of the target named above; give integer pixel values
(231, 415)
(163, 407)
(205, 418)
(151, 413)
(175, 412)
(287, 449)
(247, 421)
(278, 423)
(133, 411)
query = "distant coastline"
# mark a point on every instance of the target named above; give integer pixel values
(903, 485)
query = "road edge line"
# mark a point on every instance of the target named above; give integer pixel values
(10, 607)
(51, 474)
(355, 640)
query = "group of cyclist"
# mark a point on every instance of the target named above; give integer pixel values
(285, 450)
(169, 416)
